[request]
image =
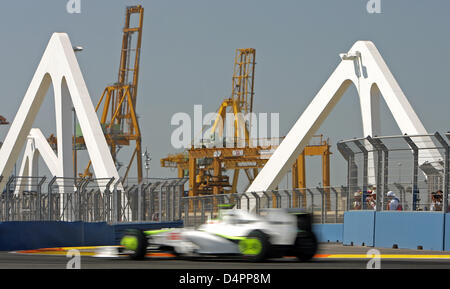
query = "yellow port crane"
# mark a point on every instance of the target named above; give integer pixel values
(205, 166)
(209, 178)
(118, 119)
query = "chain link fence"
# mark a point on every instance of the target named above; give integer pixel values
(326, 204)
(90, 200)
(415, 168)
(154, 200)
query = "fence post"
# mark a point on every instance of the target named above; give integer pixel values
(289, 198)
(248, 201)
(139, 205)
(146, 196)
(160, 202)
(347, 155)
(365, 153)
(8, 192)
(312, 200)
(446, 170)
(186, 212)
(39, 197)
(278, 198)
(107, 200)
(49, 199)
(116, 203)
(203, 210)
(323, 210)
(336, 205)
(257, 202)
(379, 190)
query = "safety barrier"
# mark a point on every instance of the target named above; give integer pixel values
(403, 230)
(329, 233)
(359, 228)
(48, 234)
(447, 232)
(410, 230)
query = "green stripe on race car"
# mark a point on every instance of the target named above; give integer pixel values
(153, 232)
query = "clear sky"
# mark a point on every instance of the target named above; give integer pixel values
(189, 45)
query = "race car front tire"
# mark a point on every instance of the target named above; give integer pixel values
(136, 242)
(255, 247)
(305, 246)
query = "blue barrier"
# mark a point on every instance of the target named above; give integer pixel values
(48, 234)
(447, 232)
(359, 228)
(409, 230)
(33, 235)
(329, 232)
(431, 230)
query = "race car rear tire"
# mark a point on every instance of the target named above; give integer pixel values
(136, 242)
(256, 247)
(305, 246)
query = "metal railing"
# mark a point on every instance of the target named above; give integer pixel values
(326, 204)
(90, 200)
(413, 167)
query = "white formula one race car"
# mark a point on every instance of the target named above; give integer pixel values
(273, 234)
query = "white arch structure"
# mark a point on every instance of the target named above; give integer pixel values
(36, 146)
(365, 68)
(59, 67)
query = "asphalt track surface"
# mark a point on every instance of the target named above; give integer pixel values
(330, 256)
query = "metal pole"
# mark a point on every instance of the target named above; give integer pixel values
(203, 210)
(39, 191)
(365, 152)
(323, 210)
(415, 170)
(312, 200)
(160, 203)
(380, 193)
(49, 199)
(8, 191)
(257, 202)
(139, 217)
(107, 200)
(446, 170)
(289, 198)
(115, 205)
(336, 205)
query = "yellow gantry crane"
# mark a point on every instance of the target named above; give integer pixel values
(118, 119)
(209, 178)
(206, 166)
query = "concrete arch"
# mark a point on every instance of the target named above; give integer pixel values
(60, 67)
(363, 66)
